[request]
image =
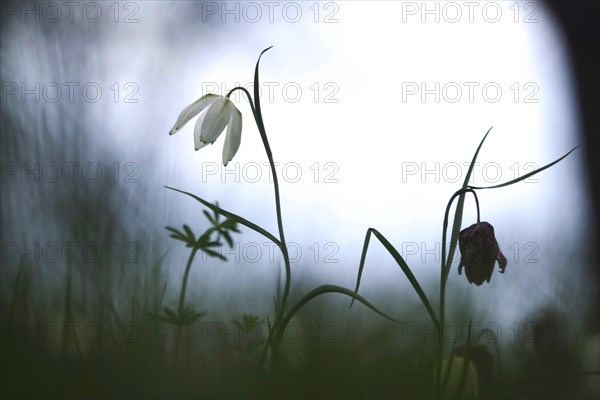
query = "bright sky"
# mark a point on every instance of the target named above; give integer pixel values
(388, 104)
(373, 110)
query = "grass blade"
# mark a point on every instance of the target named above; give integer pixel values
(258, 113)
(330, 289)
(459, 211)
(526, 175)
(362, 262)
(447, 258)
(470, 171)
(228, 214)
(403, 266)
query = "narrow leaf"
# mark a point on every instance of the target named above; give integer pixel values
(526, 175)
(228, 238)
(209, 217)
(228, 214)
(216, 254)
(468, 176)
(177, 235)
(403, 266)
(258, 113)
(189, 233)
(459, 211)
(330, 289)
(363, 258)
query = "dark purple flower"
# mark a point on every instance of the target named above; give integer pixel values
(480, 251)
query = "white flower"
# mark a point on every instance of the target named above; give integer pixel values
(220, 113)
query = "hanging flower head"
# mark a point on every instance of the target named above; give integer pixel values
(480, 251)
(220, 113)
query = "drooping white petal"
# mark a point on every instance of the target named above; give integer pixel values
(198, 144)
(214, 122)
(233, 137)
(192, 110)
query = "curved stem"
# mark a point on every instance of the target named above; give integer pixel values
(446, 263)
(263, 134)
(476, 204)
(445, 271)
(243, 89)
(256, 111)
(283, 245)
(185, 279)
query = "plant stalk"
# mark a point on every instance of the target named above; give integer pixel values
(186, 275)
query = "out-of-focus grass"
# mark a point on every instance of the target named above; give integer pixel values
(116, 351)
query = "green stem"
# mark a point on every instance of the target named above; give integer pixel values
(243, 89)
(445, 270)
(256, 111)
(255, 106)
(263, 134)
(283, 245)
(185, 279)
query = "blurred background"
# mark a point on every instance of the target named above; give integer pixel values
(373, 111)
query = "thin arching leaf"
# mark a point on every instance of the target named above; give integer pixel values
(330, 289)
(216, 254)
(228, 239)
(225, 213)
(209, 217)
(258, 113)
(470, 171)
(177, 235)
(403, 266)
(526, 175)
(189, 233)
(459, 210)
